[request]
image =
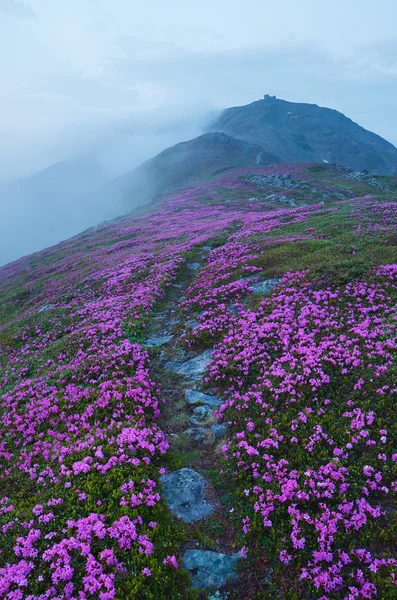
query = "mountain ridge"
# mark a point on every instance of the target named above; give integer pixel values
(303, 132)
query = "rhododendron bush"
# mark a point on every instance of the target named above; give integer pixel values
(307, 374)
(310, 381)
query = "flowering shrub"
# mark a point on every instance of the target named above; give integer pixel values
(307, 375)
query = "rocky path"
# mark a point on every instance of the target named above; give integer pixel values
(195, 438)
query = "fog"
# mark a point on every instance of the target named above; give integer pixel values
(91, 88)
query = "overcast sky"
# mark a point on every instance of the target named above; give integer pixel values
(74, 73)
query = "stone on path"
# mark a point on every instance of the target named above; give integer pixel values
(219, 430)
(201, 414)
(201, 434)
(194, 397)
(192, 369)
(158, 341)
(184, 493)
(210, 569)
(194, 266)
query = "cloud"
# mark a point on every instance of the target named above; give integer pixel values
(19, 10)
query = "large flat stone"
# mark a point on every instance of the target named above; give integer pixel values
(194, 397)
(201, 414)
(219, 430)
(183, 491)
(194, 368)
(158, 341)
(210, 569)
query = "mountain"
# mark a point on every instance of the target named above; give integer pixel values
(183, 164)
(299, 132)
(228, 353)
(43, 208)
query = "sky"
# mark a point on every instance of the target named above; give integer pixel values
(88, 74)
(118, 81)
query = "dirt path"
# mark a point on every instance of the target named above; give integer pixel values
(214, 532)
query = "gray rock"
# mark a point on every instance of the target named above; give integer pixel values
(266, 286)
(201, 434)
(249, 278)
(158, 341)
(46, 307)
(210, 569)
(194, 397)
(184, 493)
(233, 309)
(200, 415)
(219, 430)
(194, 266)
(191, 324)
(172, 322)
(192, 369)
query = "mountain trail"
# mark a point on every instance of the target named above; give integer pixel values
(195, 437)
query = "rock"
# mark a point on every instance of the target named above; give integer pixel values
(184, 493)
(194, 368)
(194, 397)
(158, 341)
(201, 434)
(194, 266)
(233, 309)
(279, 181)
(172, 322)
(201, 414)
(210, 569)
(218, 596)
(46, 307)
(249, 278)
(219, 430)
(266, 286)
(191, 324)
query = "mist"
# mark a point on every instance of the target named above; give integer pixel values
(91, 89)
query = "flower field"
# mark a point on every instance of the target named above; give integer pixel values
(308, 376)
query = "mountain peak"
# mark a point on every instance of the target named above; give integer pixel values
(301, 132)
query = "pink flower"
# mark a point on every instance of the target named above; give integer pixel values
(171, 561)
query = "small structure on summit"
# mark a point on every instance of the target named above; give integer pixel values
(268, 97)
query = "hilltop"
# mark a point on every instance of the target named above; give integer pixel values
(298, 132)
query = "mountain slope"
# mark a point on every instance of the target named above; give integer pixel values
(43, 208)
(299, 132)
(118, 477)
(178, 166)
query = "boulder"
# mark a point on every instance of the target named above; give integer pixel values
(201, 414)
(265, 286)
(210, 569)
(46, 307)
(194, 397)
(201, 434)
(192, 369)
(158, 341)
(184, 493)
(219, 430)
(194, 266)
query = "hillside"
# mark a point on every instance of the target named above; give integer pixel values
(185, 163)
(197, 401)
(298, 132)
(40, 209)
